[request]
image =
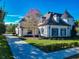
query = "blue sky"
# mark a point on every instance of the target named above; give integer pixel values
(18, 8)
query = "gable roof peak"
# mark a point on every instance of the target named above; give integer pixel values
(66, 11)
(66, 14)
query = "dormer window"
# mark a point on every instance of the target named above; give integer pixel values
(56, 18)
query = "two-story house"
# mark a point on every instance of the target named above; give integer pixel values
(56, 24)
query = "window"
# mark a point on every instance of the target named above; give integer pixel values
(55, 32)
(63, 32)
(42, 31)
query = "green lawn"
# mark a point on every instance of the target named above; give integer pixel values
(5, 52)
(48, 42)
(53, 45)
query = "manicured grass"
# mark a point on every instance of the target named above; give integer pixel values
(44, 42)
(5, 52)
(53, 45)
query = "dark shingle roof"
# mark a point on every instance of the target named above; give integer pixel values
(51, 21)
(58, 14)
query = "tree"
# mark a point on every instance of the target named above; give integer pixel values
(10, 28)
(73, 31)
(2, 28)
(30, 22)
(2, 25)
(77, 27)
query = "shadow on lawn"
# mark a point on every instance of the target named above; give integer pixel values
(55, 47)
(60, 38)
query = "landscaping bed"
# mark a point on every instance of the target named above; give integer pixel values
(53, 45)
(5, 52)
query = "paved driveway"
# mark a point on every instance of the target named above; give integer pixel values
(22, 50)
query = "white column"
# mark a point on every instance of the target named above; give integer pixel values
(67, 31)
(20, 32)
(47, 31)
(59, 32)
(50, 31)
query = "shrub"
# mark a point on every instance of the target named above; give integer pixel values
(76, 44)
(2, 28)
(2, 37)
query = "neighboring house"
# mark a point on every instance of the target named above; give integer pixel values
(29, 24)
(56, 25)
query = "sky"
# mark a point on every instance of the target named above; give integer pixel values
(16, 9)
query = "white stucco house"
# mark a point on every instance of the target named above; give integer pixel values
(56, 25)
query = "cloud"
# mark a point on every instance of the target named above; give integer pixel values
(15, 16)
(10, 22)
(12, 19)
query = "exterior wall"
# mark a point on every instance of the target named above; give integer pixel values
(45, 33)
(48, 30)
(16, 30)
(19, 31)
(68, 31)
(36, 32)
(24, 32)
(70, 21)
